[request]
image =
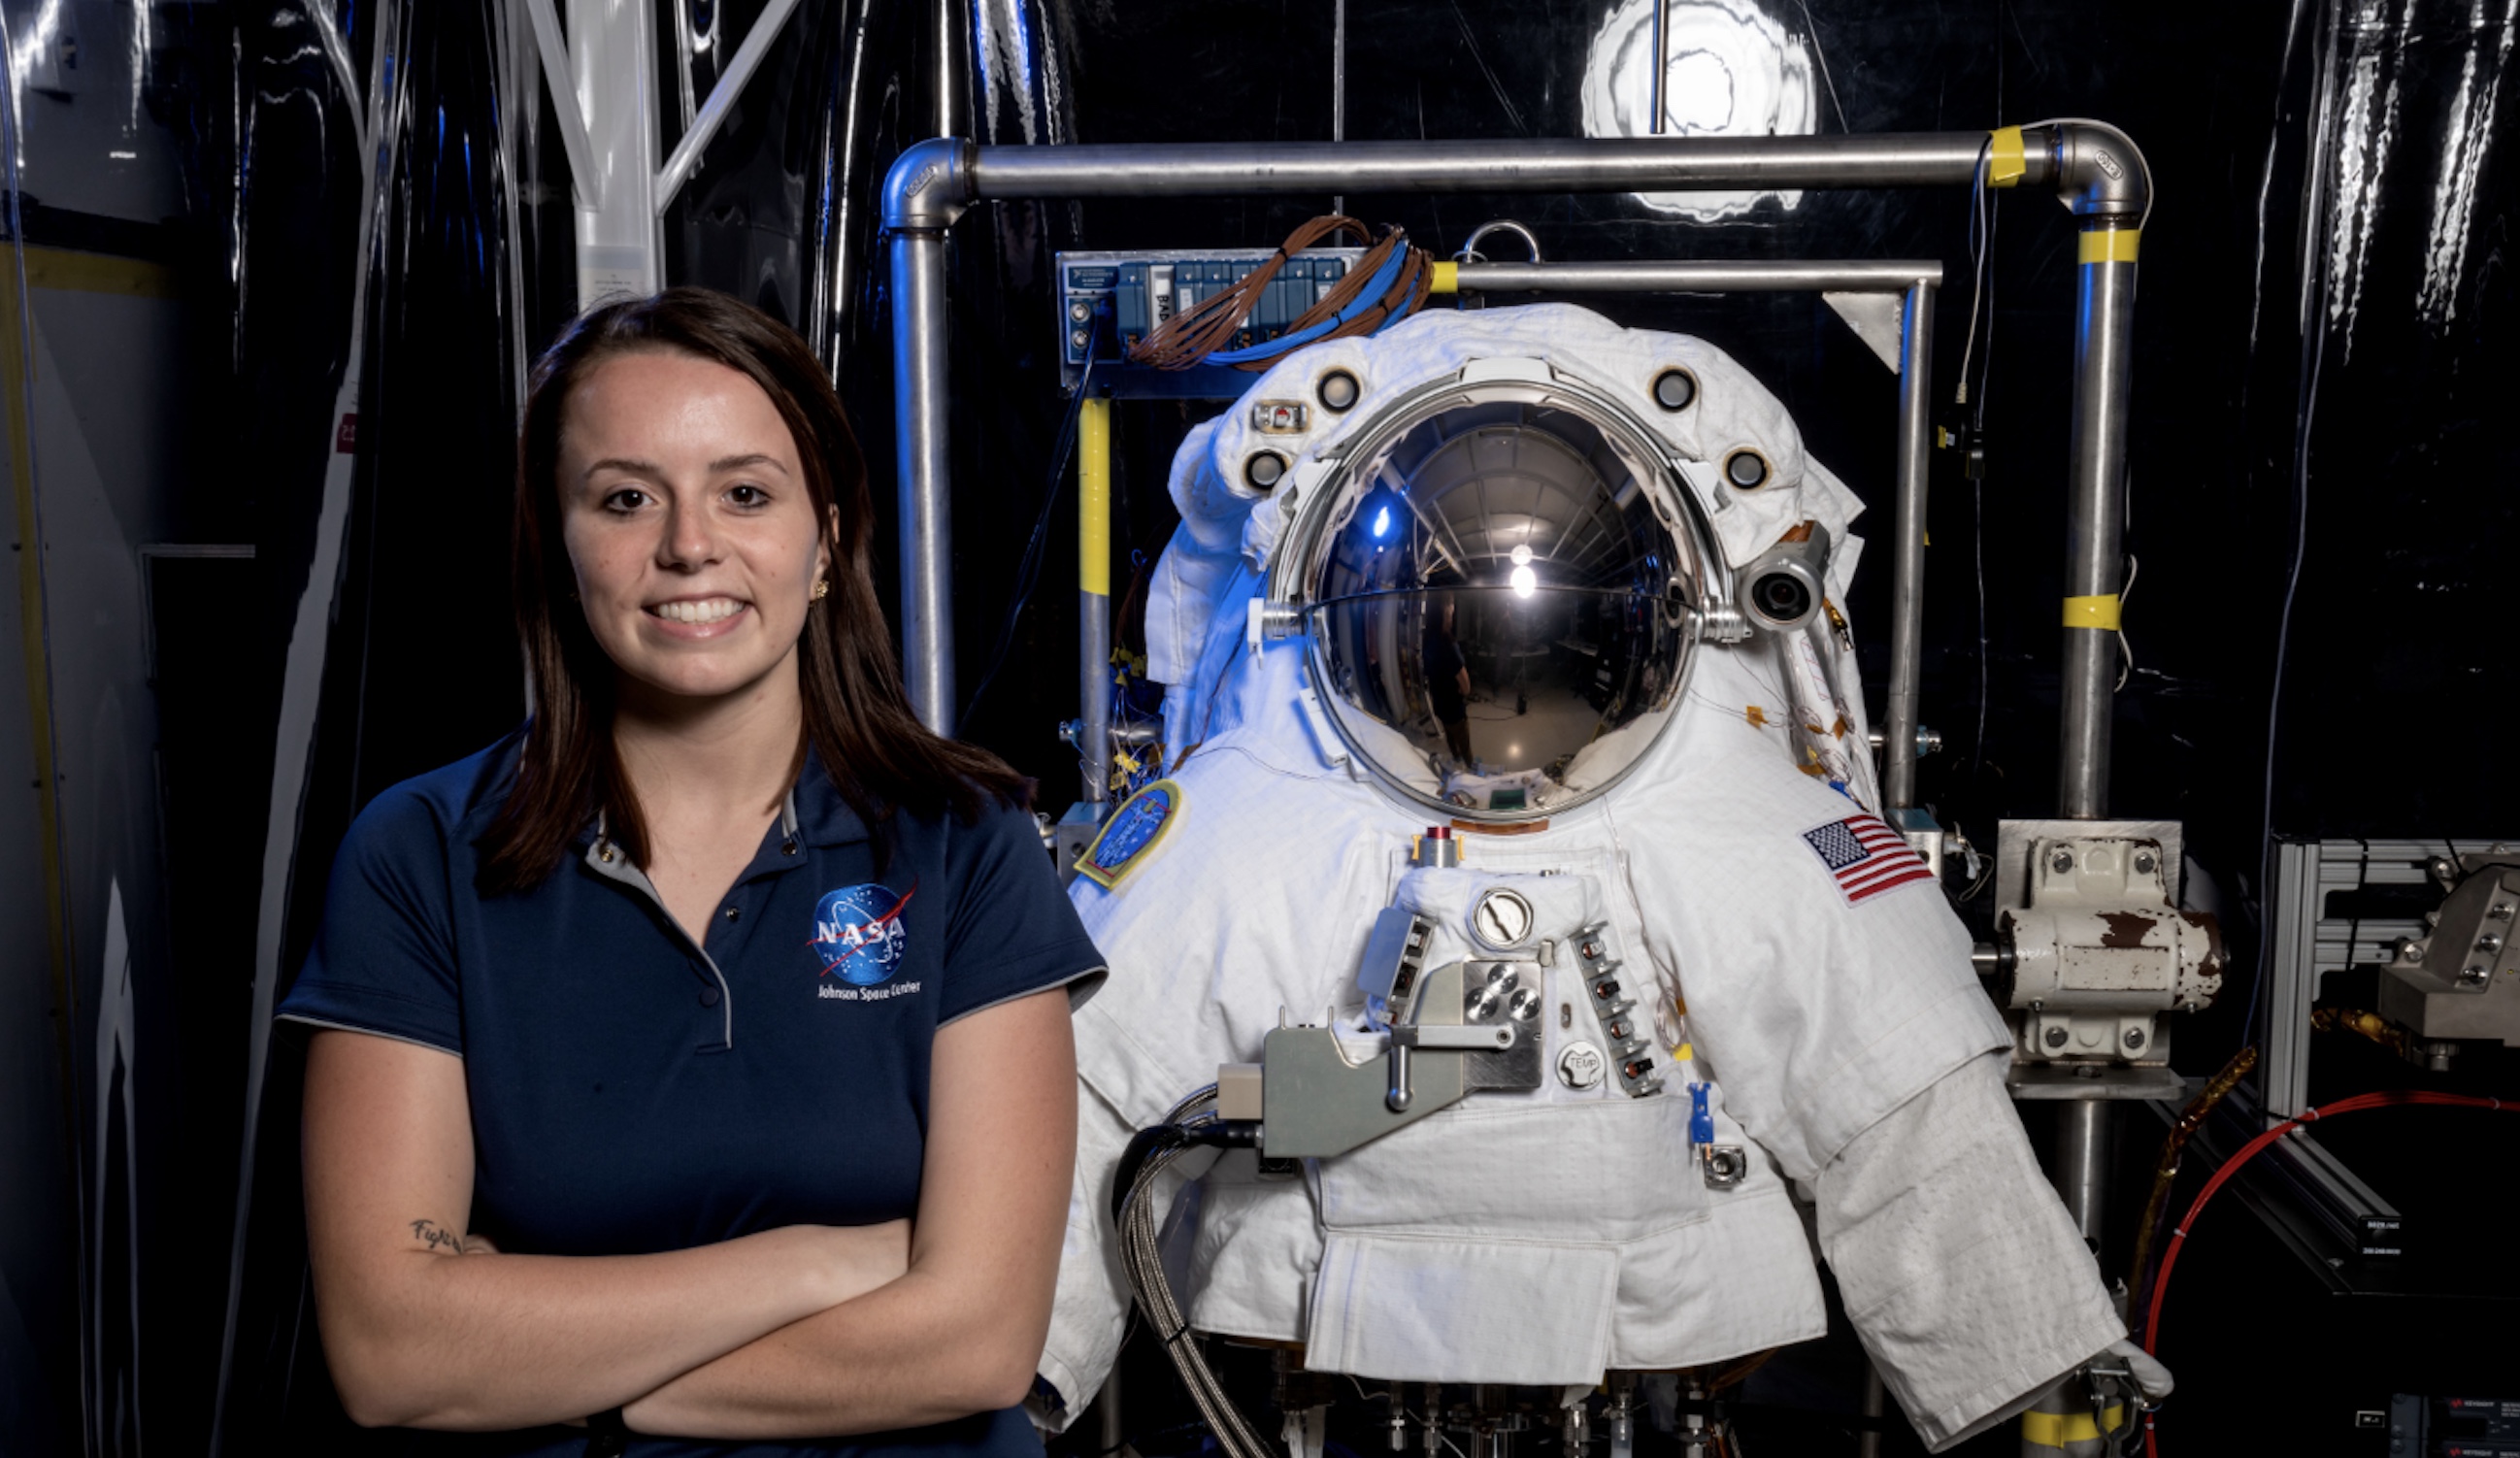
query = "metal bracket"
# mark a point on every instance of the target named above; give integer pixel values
(1879, 320)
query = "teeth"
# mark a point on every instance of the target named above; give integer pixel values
(712, 609)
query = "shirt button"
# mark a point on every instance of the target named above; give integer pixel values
(732, 913)
(708, 997)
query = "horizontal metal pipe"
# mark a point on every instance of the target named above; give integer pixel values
(1729, 276)
(1549, 165)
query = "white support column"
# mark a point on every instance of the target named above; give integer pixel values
(612, 66)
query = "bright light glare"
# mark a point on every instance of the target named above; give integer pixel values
(1382, 522)
(1522, 555)
(1525, 581)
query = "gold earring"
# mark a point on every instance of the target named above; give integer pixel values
(822, 589)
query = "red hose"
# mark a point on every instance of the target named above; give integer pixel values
(2248, 1152)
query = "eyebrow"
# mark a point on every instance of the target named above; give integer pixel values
(717, 467)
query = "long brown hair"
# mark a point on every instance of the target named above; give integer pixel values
(857, 716)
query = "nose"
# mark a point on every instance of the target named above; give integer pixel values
(689, 539)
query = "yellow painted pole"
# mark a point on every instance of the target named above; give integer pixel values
(1093, 595)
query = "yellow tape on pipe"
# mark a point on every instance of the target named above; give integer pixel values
(2005, 162)
(2099, 614)
(1444, 278)
(2108, 246)
(1093, 496)
(2054, 1430)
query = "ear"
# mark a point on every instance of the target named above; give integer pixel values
(823, 561)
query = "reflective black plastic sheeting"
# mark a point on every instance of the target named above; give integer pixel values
(417, 663)
(2380, 405)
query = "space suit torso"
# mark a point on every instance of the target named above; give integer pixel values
(1779, 943)
(1544, 1237)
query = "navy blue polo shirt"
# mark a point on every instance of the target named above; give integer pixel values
(632, 1092)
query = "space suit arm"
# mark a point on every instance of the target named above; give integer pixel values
(1090, 1316)
(1970, 1285)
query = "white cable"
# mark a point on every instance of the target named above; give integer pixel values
(2125, 649)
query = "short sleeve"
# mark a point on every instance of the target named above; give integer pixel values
(1013, 931)
(383, 960)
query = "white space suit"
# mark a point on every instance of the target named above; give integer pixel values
(1542, 1237)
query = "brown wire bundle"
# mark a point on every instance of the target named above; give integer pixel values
(1186, 339)
(2167, 1170)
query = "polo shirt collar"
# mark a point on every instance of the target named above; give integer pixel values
(812, 809)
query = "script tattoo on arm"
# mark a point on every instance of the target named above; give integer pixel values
(437, 1237)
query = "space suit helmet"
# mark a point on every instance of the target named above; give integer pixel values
(1501, 585)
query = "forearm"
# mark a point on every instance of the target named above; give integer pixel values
(438, 1339)
(924, 1349)
(962, 1331)
(1969, 1284)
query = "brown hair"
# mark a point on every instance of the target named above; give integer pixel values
(857, 715)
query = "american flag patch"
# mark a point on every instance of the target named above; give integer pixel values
(1866, 856)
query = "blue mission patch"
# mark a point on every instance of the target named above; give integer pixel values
(1132, 831)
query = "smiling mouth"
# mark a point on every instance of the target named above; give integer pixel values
(700, 612)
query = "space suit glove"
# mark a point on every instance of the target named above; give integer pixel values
(2152, 1380)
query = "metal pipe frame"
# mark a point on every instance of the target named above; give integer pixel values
(2094, 168)
(2094, 509)
(1908, 566)
(1694, 276)
(1093, 596)
(2082, 1160)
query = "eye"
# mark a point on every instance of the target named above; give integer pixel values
(626, 499)
(745, 493)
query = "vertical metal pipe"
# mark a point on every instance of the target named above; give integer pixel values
(1876, 1407)
(1093, 594)
(2082, 1160)
(1338, 84)
(1907, 565)
(2095, 498)
(1661, 66)
(1114, 1429)
(919, 377)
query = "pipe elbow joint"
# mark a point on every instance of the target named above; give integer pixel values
(2099, 172)
(928, 186)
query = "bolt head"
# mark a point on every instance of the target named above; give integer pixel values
(2489, 942)
(2500, 911)
(2473, 975)
(2134, 1037)
(2061, 862)
(2144, 864)
(2056, 1037)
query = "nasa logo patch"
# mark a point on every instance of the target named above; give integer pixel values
(1132, 831)
(858, 935)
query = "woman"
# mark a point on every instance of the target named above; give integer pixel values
(695, 1062)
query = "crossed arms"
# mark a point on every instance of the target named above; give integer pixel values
(801, 1331)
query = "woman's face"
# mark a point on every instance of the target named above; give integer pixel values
(686, 519)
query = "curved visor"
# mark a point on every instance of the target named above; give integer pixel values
(1498, 604)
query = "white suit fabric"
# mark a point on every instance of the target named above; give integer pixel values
(1541, 1238)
